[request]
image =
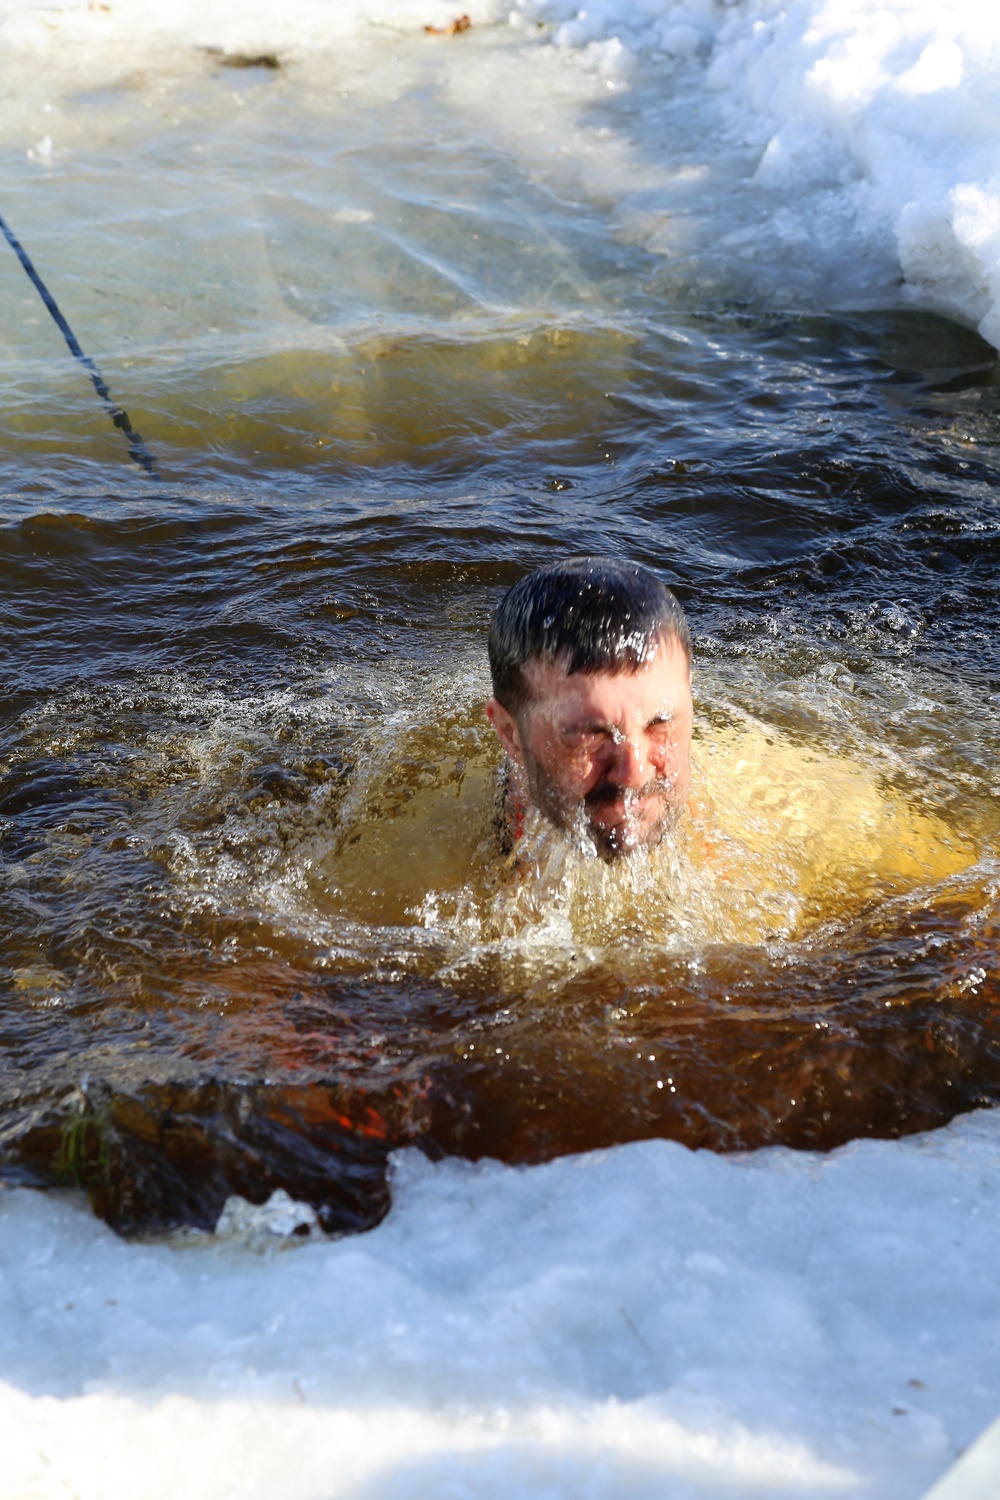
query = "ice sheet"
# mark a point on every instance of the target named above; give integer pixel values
(645, 1321)
(856, 142)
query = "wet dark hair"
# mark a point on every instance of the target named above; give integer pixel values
(598, 614)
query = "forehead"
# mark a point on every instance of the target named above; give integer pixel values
(662, 685)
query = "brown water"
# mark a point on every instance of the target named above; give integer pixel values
(255, 927)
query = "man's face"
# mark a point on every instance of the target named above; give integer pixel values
(611, 747)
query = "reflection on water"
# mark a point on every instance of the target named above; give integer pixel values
(256, 928)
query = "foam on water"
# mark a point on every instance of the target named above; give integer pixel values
(383, 822)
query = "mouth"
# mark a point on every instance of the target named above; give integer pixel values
(623, 820)
(618, 819)
(625, 803)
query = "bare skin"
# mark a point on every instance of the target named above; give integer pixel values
(612, 748)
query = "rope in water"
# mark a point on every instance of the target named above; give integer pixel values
(138, 451)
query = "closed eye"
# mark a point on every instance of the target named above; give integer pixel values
(587, 734)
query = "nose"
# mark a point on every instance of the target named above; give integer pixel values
(631, 766)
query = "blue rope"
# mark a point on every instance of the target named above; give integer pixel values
(138, 451)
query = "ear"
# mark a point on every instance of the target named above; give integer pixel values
(506, 730)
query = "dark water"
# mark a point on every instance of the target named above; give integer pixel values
(242, 740)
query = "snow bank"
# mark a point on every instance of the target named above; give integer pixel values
(602, 1326)
(890, 108)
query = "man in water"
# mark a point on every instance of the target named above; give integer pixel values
(591, 664)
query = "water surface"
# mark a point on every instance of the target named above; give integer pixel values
(256, 930)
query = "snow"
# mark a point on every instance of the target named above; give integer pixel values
(644, 1321)
(974, 1477)
(889, 108)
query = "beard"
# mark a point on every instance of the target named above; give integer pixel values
(591, 815)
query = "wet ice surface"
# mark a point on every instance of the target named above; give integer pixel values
(804, 152)
(646, 1322)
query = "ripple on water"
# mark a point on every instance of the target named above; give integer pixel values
(277, 936)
